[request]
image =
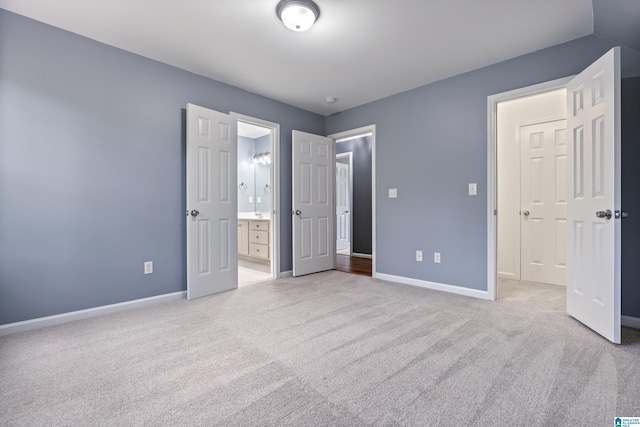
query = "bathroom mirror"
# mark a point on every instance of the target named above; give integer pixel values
(254, 171)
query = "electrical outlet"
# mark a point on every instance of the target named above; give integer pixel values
(259, 199)
(148, 267)
(419, 256)
(473, 189)
(250, 199)
(393, 193)
(436, 257)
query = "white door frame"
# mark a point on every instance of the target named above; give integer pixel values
(370, 129)
(492, 171)
(274, 194)
(349, 155)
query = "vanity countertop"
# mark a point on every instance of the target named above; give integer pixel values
(252, 216)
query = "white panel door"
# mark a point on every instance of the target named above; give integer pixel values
(343, 208)
(313, 203)
(543, 198)
(593, 290)
(212, 205)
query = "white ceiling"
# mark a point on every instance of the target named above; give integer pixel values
(358, 51)
(252, 131)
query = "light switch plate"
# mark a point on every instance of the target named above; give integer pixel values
(473, 189)
(250, 199)
(393, 193)
(259, 199)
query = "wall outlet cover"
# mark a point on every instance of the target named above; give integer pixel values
(393, 193)
(473, 189)
(148, 267)
(436, 257)
(419, 256)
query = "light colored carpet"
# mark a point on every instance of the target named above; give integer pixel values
(329, 349)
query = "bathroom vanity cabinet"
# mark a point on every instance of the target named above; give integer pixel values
(253, 238)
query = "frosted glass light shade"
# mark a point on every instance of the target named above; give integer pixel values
(298, 15)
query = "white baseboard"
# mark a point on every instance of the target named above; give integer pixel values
(58, 319)
(631, 322)
(510, 276)
(357, 255)
(284, 274)
(435, 286)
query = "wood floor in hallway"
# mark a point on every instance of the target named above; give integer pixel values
(354, 265)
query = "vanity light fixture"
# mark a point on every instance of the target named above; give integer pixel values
(262, 158)
(298, 15)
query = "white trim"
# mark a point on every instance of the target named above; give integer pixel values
(631, 322)
(435, 286)
(288, 273)
(274, 233)
(72, 316)
(357, 255)
(492, 227)
(371, 129)
(348, 138)
(348, 155)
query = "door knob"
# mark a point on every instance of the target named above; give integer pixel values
(346, 211)
(525, 213)
(298, 212)
(604, 214)
(195, 213)
(621, 214)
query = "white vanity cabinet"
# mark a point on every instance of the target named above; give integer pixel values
(253, 238)
(259, 239)
(243, 237)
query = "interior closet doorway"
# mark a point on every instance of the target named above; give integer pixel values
(532, 188)
(258, 199)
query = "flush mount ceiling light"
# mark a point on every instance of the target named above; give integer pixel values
(297, 15)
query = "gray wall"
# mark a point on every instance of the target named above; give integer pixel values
(361, 209)
(631, 196)
(92, 169)
(431, 142)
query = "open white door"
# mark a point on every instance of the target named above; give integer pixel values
(313, 203)
(212, 236)
(543, 196)
(343, 208)
(593, 287)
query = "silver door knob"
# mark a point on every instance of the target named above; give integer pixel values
(298, 212)
(525, 213)
(621, 214)
(195, 213)
(604, 214)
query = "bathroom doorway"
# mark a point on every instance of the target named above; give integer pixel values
(257, 250)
